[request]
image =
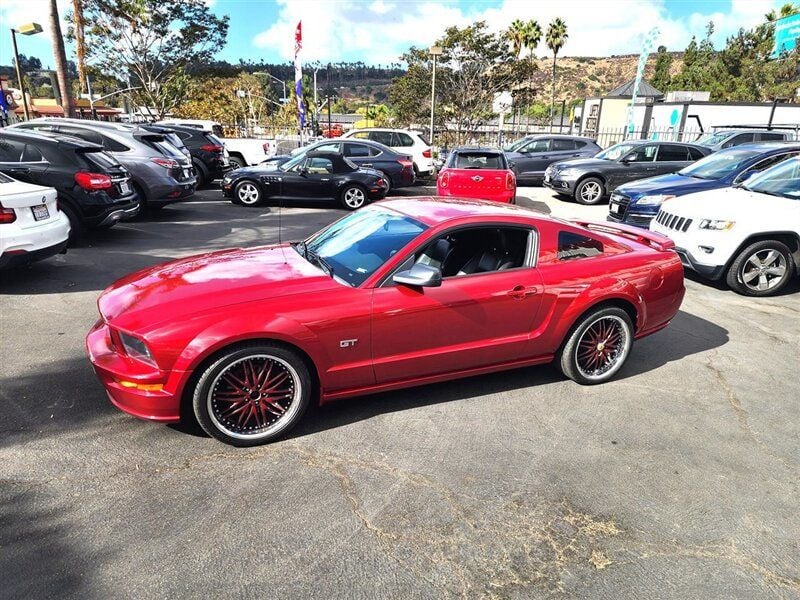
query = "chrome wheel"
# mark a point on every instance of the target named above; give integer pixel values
(254, 397)
(591, 191)
(764, 270)
(248, 193)
(354, 197)
(602, 348)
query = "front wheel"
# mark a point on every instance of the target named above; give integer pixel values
(252, 395)
(589, 191)
(353, 197)
(761, 269)
(247, 193)
(597, 347)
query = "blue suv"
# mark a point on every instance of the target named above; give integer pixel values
(637, 203)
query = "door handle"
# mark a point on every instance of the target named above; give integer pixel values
(576, 155)
(521, 291)
(24, 170)
(366, 164)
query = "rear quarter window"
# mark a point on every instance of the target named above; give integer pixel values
(574, 245)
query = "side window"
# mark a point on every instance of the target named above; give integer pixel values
(573, 245)
(319, 165)
(83, 134)
(403, 140)
(330, 147)
(765, 164)
(32, 154)
(563, 145)
(695, 154)
(382, 137)
(184, 135)
(113, 145)
(356, 150)
(476, 250)
(361, 135)
(374, 151)
(737, 140)
(537, 146)
(11, 150)
(642, 154)
(579, 144)
(670, 153)
(771, 136)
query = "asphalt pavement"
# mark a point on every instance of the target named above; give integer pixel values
(679, 479)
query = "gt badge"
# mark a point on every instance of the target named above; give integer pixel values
(347, 343)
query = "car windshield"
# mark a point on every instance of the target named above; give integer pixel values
(781, 180)
(354, 247)
(711, 139)
(517, 145)
(717, 166)
(291, 164)
(615, 152)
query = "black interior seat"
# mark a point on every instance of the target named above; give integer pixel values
(436, 254)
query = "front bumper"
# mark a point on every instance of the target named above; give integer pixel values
(713, 272)
(562, 186)
(119, 375)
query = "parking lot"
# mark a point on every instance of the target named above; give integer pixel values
(678, 479)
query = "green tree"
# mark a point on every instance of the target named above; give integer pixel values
(556, 38)
(151, 43)
(515, 34)
(787, 10)
(531, 36)
(661, 77)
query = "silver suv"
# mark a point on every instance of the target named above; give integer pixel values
(727, 138)
(160, 172)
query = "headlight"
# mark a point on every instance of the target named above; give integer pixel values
(226, 180)
(136, 348)
(716, 225)
(653, 200)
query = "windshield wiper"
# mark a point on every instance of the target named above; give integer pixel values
(303, 248)
(313, 257)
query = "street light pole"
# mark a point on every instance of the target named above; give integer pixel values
(434, 52)
(27, 29)
(271, 76)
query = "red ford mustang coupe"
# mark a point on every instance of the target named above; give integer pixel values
(401, 293)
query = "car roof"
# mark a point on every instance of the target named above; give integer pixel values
(433, 210)
(764, 147)
(61, 139)
(377, 145)
(559, 136)
(754, 130)
(477, 149)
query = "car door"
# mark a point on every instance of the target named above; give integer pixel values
(637, 164)
(671, 158)
(470, 321)
(534, 160)
(357, 153)
(562, 149)
(315, 181)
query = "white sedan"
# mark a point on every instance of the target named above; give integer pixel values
(31, 225)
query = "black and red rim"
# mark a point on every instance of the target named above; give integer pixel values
(602, 347)
(254, 396)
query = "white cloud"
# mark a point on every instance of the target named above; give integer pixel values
(335, 31)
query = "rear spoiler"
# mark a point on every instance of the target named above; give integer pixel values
(642, 236)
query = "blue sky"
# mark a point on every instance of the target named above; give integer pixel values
(378, 31)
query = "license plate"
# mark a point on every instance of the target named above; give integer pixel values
(616, 208)
(40, 213)
(124, 187)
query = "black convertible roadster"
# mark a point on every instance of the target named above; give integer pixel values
(310, 176)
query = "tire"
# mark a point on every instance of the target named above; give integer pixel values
(236, 162)
(76, 225)
(761, 269)
(353, 197)
(589, 191)
(229, 399)
(585, 357)
(388, 181)
(247, 193)
(200, 174)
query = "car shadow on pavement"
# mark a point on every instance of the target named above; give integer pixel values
(792, 287)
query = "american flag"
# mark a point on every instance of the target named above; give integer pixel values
(298, 73)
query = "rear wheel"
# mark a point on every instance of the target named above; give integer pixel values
(252, 395)
(589, 191)
(236, 162)
(353, 197)
(388, 181)
(597, 347)
(247, 193)
(76, 224)
(761, 269)
(200, 175)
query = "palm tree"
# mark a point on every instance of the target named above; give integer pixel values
(556, 38)
(60, 58)
(787, 10)
(531, 36)
(516, 35)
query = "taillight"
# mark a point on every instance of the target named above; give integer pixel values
(7, 215)
(511, 182)
(212, 148)
(93, 181)
(167, 163)
(407, 164)
(444, 178)
(427, 153)
(266, 147)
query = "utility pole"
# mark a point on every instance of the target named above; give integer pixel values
(434, 52)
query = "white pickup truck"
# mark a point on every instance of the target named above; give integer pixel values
(243, 152)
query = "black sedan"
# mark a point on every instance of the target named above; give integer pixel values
(397, 168)
(307, 176)
(589, 180)
(530, 156)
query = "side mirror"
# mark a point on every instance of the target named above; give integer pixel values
(626, 160)
(303, 171)
(419, 276)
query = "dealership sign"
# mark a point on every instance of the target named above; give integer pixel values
(787, 30)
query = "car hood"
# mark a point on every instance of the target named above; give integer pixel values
(731, 204)
(178, 289)
(668, 184)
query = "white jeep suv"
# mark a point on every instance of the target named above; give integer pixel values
(748, 234)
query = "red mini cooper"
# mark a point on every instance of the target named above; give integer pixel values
(403, 292)
(481, 173)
